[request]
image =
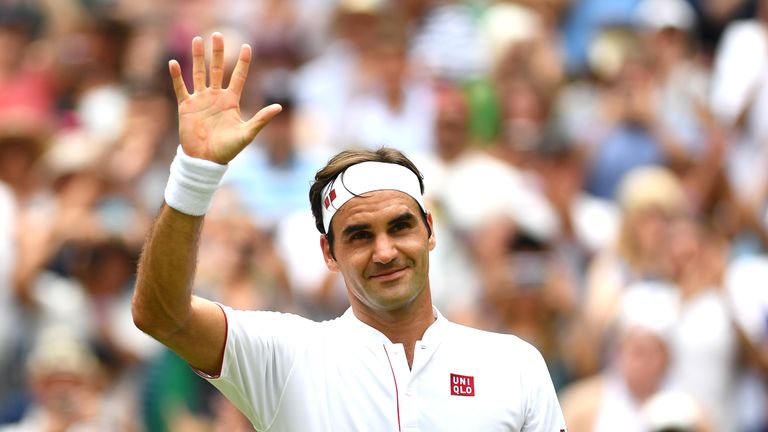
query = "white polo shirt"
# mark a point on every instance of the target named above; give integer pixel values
(288, 373)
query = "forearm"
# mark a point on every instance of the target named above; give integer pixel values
(211, 133)
(163, 296)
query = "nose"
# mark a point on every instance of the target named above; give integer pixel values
(384, 250)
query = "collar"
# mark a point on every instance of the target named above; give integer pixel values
(369, 335)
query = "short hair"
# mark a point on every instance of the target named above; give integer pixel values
(339, 163)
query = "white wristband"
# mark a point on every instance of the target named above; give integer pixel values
(192, 183)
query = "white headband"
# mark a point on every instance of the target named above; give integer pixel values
(368, 177)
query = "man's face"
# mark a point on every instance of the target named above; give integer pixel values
(643, 361)
(382, 251)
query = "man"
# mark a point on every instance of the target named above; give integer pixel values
(64, 379)
(391, 362)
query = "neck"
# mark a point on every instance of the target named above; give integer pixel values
(406, 325)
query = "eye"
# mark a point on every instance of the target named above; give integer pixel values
(400, 226)
(360, 235)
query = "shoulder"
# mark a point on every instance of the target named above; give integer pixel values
(509, 369)
(504, 347)
(266, 315)
(267, 322)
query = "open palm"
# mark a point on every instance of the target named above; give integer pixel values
(210, 126)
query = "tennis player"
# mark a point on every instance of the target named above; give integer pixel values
(392, 362)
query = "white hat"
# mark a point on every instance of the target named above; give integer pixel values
(59, 350)
(505, 24)
(481, 187)
(651, 306)
(661, 14)
(73, 151)
(671, 410)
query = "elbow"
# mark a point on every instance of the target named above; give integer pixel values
(141, 319)
(155, 318)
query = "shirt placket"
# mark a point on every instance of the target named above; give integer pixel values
(411, 397)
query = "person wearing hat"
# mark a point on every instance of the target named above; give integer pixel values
(63, 375)
(392, 361)
(625, 394)
(650, 198)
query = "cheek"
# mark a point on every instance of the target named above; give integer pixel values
(418, 252)
(351, 261)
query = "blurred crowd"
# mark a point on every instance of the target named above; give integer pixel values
(597, 170)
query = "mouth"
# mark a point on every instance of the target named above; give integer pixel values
(389, 275)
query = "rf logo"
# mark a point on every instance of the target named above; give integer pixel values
(462, 385)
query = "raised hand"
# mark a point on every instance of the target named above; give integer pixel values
(210, 126)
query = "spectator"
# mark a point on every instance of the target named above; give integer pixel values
(631, 134)
(65, 379)
(342, 70)
(239, 264)
(680, 79)
(398, 109)
(739, 99)
(748, 304)
(704, 326)
(639, 361)
(277, 162)
(650, 199)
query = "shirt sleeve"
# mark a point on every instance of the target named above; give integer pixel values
(261, 351)
(543, 412)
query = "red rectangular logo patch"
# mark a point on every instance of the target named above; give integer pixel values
(329, 199)
(462, 385)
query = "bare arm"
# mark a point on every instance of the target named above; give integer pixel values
(210, 128)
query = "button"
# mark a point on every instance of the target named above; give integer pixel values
(409, 393)
(423, 347)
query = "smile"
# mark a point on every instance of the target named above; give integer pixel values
(389, 275)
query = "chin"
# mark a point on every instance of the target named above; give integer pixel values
(398, 301)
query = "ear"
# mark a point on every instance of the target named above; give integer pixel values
(330, 262)
(432, 238)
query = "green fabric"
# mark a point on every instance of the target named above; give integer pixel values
(484, 123)
(171, 386)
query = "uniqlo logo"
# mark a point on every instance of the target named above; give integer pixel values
(462, 385)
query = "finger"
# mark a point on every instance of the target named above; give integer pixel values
(240, 74)
(198, 64)
(261, 118)
(217, 61)
(179, 87)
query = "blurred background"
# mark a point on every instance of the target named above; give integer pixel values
(597, 170)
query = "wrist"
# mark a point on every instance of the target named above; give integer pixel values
(192, 183)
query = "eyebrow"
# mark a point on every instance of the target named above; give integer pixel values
(351, 229)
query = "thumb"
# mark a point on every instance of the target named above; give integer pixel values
(261, 118)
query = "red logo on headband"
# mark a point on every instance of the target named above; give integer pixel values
(329, 199)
